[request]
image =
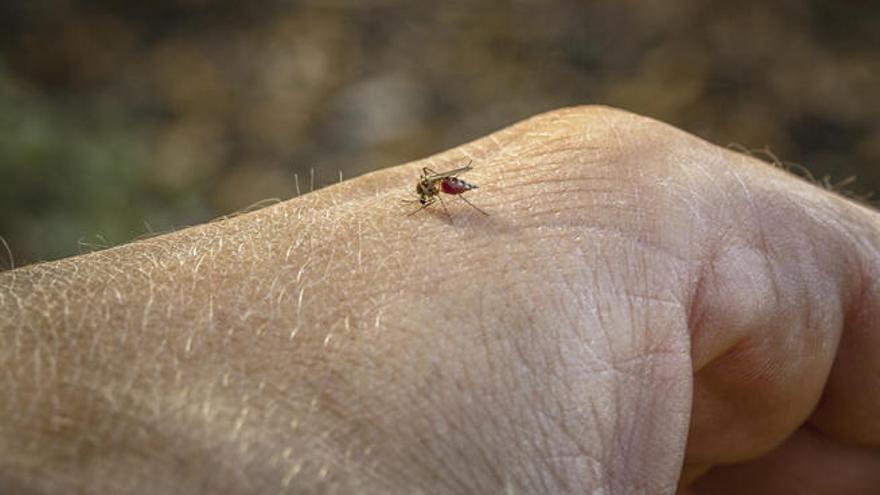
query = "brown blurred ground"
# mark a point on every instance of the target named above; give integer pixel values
(119, 118)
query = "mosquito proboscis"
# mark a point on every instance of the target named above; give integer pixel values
(433, 184)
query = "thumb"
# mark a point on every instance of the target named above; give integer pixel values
(655, 248)
(785, 325)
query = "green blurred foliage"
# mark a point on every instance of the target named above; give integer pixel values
(121, 118)
(74, 178)
(63, 178)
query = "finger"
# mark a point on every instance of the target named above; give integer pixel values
(850, 405)
(808, 462)
(784, 272)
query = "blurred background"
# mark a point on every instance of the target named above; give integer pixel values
(121, 118)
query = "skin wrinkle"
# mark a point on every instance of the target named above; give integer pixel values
(391, 333)
(445, 424)
(540, 443)
(713, 278)
(777, 283)
(559, 483)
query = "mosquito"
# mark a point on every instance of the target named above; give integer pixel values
(432, 183)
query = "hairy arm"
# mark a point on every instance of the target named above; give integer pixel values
(627, 274)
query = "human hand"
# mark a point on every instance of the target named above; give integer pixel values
(631, 284)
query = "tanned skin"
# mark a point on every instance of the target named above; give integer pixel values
(640, 312)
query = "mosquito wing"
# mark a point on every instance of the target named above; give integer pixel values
(433, 175)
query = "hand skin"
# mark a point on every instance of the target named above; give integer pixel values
(641, 312)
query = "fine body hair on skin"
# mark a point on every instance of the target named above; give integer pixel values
(637, 302)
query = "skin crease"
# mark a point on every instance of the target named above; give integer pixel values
(641, 312)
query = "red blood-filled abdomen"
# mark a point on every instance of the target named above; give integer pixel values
(455, 186)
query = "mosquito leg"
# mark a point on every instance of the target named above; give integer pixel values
(429, 203)
(443, 203)
(472, 205)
